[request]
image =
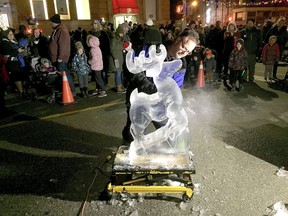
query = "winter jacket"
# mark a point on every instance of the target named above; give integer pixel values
(104, 46)
(252, 39)
(209, 64)
(80, 64)
(95, 59)
(270, 54)
(9, 47)
(15, 60)
(60, 46)
(116, 48)
(238, 59)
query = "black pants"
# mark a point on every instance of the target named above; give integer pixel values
(236, 75)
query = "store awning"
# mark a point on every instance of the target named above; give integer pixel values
(125, 6)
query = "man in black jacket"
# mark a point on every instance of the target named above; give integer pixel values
(252, 40)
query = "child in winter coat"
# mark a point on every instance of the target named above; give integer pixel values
(270, 55)
(81, 67)
(96, 63)
(209, 65)
(238, 62)
(46, 66)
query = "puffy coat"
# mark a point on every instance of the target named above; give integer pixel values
(80, 65)
(238, 59)
(270, 54)
(95, 59)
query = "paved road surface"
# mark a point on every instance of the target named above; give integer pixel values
(49, 153)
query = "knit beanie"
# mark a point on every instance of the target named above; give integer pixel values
(272, 37)
(119, 30)
(78, 45)
(208, 52)
(125, 25)
(149, 22)
(45, 61)
(55, 19)
(241, 41)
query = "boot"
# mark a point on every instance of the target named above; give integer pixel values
(120, 89)
(82, 92)
(86, 92)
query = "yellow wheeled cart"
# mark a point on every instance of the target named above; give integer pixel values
(151, 178)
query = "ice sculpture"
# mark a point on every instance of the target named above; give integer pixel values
(163, 106)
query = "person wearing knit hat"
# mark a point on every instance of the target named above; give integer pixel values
(116, 48)
(238, 63)
(241, 41)
(209, 64)
(126, 29)
(120, 30)
(78, 45)
(60, 48)
(81, 67)
(55, 19)
(208, 52)
(149, 22)
(152, 35)
(270, 57)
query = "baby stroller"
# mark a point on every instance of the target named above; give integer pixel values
(46, 78)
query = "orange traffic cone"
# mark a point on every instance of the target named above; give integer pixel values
(67, 96)
(200, 79)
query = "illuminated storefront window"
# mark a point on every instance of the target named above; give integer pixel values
(39, 9)
(62, 8)
(4, 24)
(83, 9)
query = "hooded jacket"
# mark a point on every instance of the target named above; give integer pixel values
(230, 40)
(238, 59)
(270, 53)
(95, 58)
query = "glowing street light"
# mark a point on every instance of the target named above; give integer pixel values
(194, 4)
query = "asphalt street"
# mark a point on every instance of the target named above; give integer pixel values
(49, 153)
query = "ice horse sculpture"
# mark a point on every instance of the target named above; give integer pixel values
(163, 106)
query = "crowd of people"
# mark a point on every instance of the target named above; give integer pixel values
(228, 53)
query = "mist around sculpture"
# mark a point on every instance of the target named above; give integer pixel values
(170, 142)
